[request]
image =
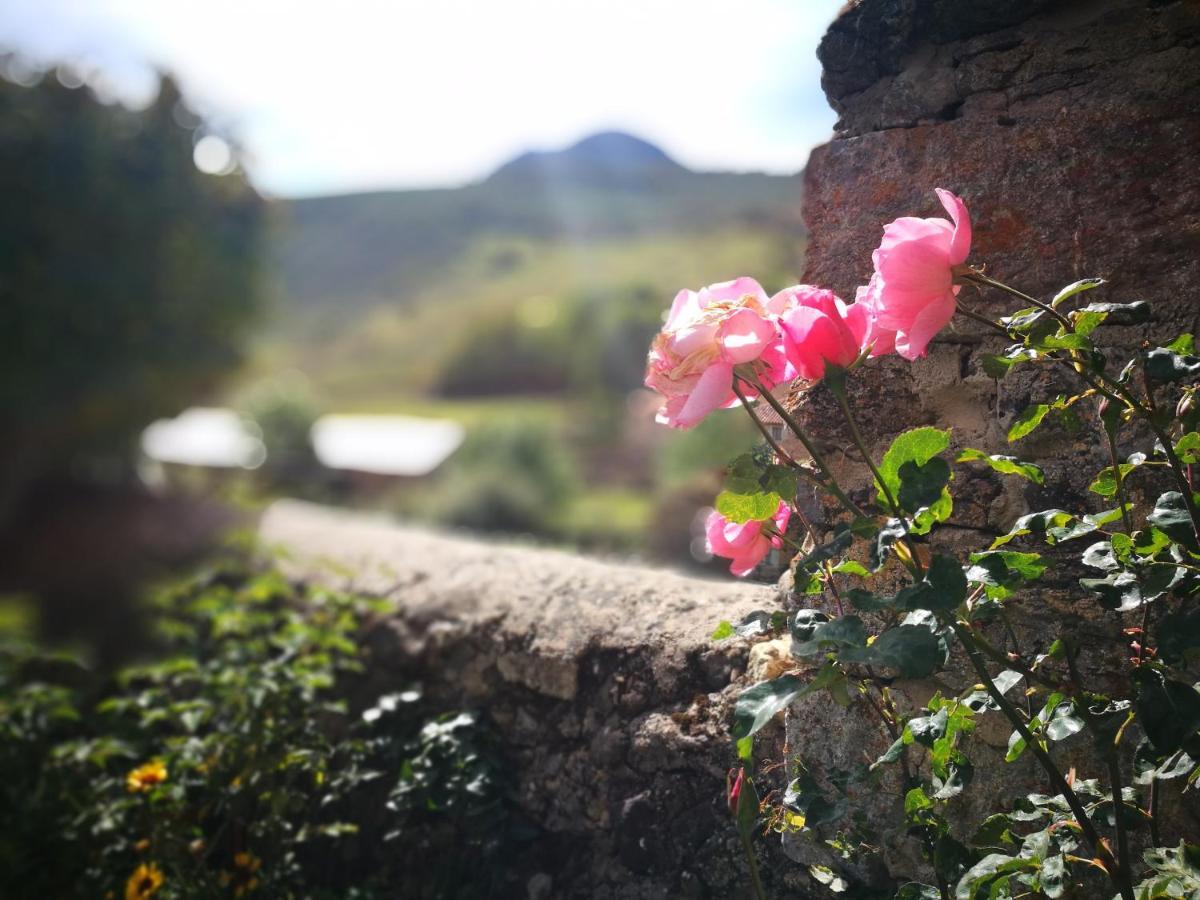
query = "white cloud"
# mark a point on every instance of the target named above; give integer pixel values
(368, 93)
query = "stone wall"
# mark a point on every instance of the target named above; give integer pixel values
(610, 699)
(1072, 131)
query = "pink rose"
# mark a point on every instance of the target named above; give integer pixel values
(913, 286)
(818, 328)
(745, 544)
(708, 333)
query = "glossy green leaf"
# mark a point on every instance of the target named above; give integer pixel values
(1163, 364)
(741, 508)
(1005, 465)
(1029, 419)
(1076, 287)
(1167, 710)
(918, 447)
(913, 651)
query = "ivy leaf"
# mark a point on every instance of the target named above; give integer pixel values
(1005, 465)
(917, 446)
(741, 508)
(1164, 364)
(1084, 284)
(1029, 419)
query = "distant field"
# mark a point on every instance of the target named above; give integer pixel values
(394, 350)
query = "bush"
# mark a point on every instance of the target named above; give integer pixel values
(233, 765)
(129, 276)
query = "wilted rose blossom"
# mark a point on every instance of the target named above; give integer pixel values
(913, 287)
(707, 333)
(745, 544)
(819, 328)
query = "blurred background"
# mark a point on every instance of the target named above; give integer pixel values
(395, 256)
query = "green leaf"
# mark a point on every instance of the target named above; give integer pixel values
(913, 890)
(1029, 419)
(1043, 523)
(917, 446)
(1185, 344)
(1167, 710)
(1076, 287)
(752, 624)
(885, 539)
(756, 706)
(851, 567)
(1179, 637)
(1005, 465)
(912, 650)
(741, 508)
(723, 631)
(847, 631)
(1105, 483)
(1068, 340)
(1004, 571)
(1135, 313)
(1163, 364)
(1188, 448)
(805, 622)
(836, 546)
(1170, 516)
(922, 485)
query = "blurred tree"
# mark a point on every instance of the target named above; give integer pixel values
(127, 276)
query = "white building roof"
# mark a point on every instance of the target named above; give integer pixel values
(385, 445)
(203, 436)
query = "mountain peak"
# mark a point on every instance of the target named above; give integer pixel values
(606, 155)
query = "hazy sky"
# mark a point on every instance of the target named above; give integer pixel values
(363, 94)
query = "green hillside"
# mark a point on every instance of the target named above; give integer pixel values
(377, 292)
(523, 306)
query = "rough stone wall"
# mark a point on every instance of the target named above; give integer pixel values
(605, 689)
(1072, 131)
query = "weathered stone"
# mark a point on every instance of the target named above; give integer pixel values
(1072, 131)
(600, 680)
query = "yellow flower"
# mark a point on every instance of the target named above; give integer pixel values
(144, 882)
(146, 776)
(247, 861)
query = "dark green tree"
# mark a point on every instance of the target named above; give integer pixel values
(127, 276)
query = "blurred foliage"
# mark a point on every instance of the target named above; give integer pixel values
(233, 764)
(129, 276)
(284, 410)
(509, 475)
(592, 341)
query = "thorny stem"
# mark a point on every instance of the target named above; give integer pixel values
(1099, 848)
(832, 486)
(837, 386)
(1111, 434)
(984, 320)
(1121, 876)
(755, 879)
(979, 278)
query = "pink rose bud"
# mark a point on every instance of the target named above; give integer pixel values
(707, 333)
(734, 791)
(914, 291)
(745, 543)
